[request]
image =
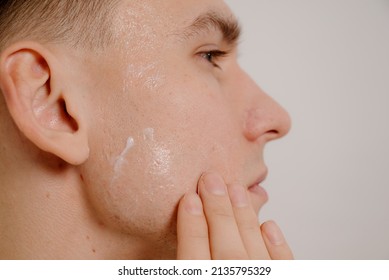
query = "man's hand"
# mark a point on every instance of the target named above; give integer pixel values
(221, 223)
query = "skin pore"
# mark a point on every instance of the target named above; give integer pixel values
(153, 112)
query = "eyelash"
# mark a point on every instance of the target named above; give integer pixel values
(213, 55)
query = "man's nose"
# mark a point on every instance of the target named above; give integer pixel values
(264, 117)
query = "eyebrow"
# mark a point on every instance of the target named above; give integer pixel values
(228, 26)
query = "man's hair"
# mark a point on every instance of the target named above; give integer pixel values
(80, 23)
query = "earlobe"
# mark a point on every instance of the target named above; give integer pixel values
(43, 108)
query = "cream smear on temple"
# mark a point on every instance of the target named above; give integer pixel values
(142, 40)
(147, 75)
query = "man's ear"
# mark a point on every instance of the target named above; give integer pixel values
(45, 109)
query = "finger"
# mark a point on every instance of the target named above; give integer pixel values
(224, 237)
(247, 222)
(275, 242)
(192, 230)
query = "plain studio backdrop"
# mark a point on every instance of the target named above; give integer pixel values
(327, 63)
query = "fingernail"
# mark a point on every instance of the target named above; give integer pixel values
(238, 196)
(273, 233)
(214, 184)
(193, 204)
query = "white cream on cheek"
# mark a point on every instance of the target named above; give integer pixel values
(121, 159)
(158, 163)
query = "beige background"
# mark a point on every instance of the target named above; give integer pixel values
(327, 62)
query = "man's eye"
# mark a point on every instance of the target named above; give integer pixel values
(213, 56)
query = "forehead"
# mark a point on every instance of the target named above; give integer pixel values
(155, 17)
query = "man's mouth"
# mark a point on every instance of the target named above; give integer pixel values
(257, 182)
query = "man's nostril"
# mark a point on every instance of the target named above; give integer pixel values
(273, 131)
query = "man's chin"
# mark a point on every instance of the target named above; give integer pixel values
(258, 197)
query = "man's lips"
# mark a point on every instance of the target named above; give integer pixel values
(257, 193)
(259, 180)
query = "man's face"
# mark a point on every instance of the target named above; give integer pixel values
(164, 108)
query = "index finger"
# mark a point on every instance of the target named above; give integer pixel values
(192, 230)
